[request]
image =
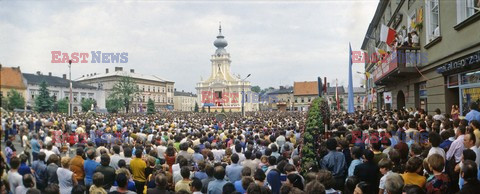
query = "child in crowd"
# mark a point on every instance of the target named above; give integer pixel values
(385, 166)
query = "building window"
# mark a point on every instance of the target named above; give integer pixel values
(148, 88)
(389, 11)
(466, 9)
(410, 3)
(432, 20)
(309, 99)
(303, 100)
(143, 88)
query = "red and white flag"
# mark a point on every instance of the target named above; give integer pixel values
(387, 34)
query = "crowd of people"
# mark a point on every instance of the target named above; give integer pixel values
(374, 151)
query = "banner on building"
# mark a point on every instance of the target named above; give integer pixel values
(387, 97)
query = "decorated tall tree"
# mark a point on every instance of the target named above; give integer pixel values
(150, 106)
(43, 102)
(15, 100)
(125, 90)
(318, 114)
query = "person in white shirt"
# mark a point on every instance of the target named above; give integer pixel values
(115, 157)
(469, 143)
(385, 166)
(435, 140)
(438, 116)
(218, 152)
(13, 177)
(161, 150)
(28, 182)
(49, 151)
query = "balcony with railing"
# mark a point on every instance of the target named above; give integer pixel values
(400, 64)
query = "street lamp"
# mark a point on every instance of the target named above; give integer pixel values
(243, 95)
(70, 106)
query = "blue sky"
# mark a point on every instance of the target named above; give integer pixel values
(278, 42)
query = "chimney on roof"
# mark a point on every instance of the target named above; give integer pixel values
(106, 70)
(118, 68)
(64, 76)
(182, 91)
(132, 70)
(174, 89)
(39, 73)
(50, 74)
(94, 73)
(328, 84)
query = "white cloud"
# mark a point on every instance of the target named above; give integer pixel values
(278, 42)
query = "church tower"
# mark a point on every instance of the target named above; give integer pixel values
(221, 61)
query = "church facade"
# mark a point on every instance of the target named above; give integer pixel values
(222, 90)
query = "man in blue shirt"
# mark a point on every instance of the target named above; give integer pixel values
(216, 186)
(39, 169)
(24, 169)
(89, 166)
(474, 113)
(273, 179)
(35, 146)
(334, 162)
(234, 170)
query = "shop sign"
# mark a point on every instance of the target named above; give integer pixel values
(474, 93)
(460, 63)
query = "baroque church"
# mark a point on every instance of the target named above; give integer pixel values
(222, 90)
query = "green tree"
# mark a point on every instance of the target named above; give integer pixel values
(15, 100)
(125, 90)
(196, 107)
(150, 106)
(223, 110)
(62, 106)
(113, 105)
(203, 109)
(4, 102)
(43, 102)
(256, 89)
(87, 104)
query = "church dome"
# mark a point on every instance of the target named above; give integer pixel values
(220, 42)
